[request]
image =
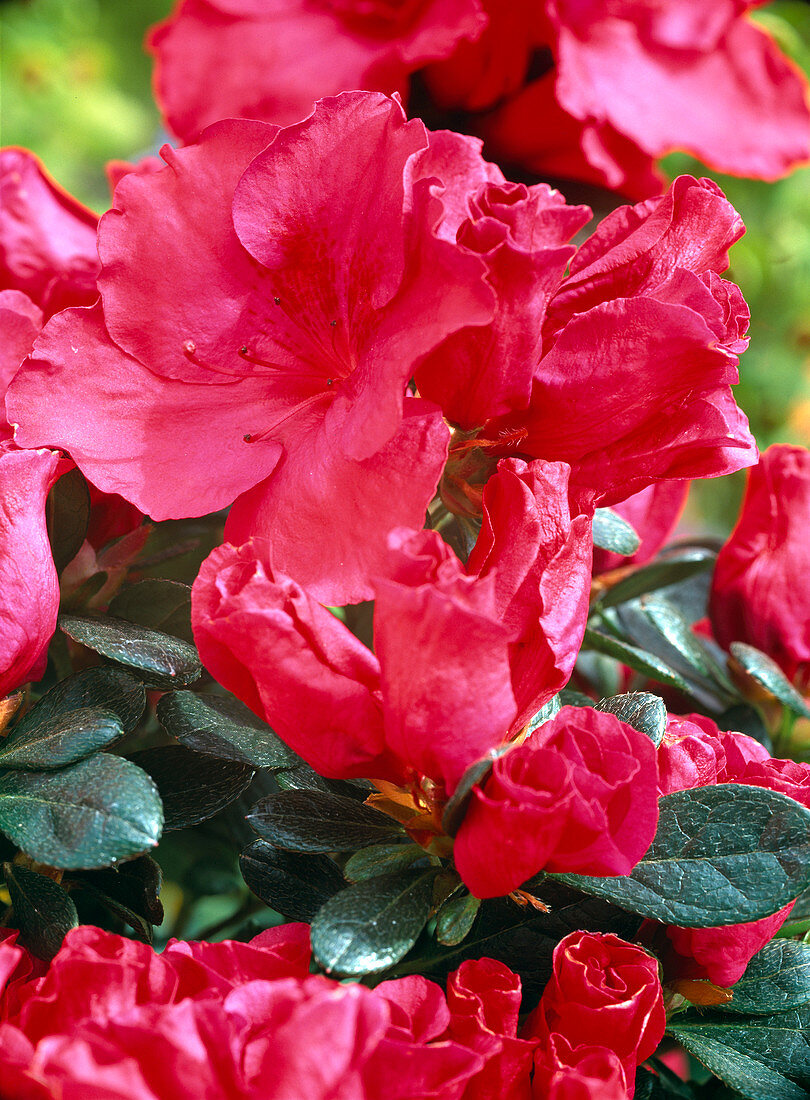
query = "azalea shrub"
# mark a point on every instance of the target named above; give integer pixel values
(370, 728)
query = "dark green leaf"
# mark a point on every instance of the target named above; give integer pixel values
(612, 532)
(673, 627)
(722, 855)
(570, 698)
(644, 712)
(456, 918)
(313, 821)
(646, 663)
(158, 658)
(158, 604)
(381, 859)
(224, 727)
(67, 515)
(660, 574)
(88, 815)
(524, 939)
(371, 925)
(766, 672)
(135, 884)
(89, 900)
(43, 910)
(193, 786)
(775, 980)
(295, 885)
(763, 1057)
(108, 688)
(60, 741)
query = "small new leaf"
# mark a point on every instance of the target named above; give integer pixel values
(721, 855)
(371, 925)
(456, 917)
(381, 859)
(643, 711)
(660, 574)
(612, 532)
(43, 910)
(314, 821)
(646, 663)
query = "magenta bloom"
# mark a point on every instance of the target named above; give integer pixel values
(602, 990)
(460, 656)
(47, 238)
(644, 287)
(287, 309)
(224, 1019)
(578, 795)
(625, 81)
(759, 591)
(274, 58)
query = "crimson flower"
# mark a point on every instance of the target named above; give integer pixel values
(644, 287)
(288, 306)
(224, 1019)
(578, 795)
(486, 645)
(759, 591)
(601, 987)
(274, 58)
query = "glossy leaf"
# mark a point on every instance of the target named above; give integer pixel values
(158, 604)
(775, 980)
(612, 532)
(643, 711)
(456, 918)
(721, 855)
(763, 1057)
(295, 885)
(158, 658)
(61, 741)
(372, 925)
(646, 663)
(43, 910)
(109, 688)
(381, 859)
(314, 821)
(475, 775)
(676, 630)
(659, 574)
(769, 675)
(223, 727)
(91, 814)
(193, 786)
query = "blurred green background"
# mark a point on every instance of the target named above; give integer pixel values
(75, 88)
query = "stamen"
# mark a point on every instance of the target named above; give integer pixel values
(256, 437)
(190, 352)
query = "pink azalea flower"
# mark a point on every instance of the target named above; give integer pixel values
(275, 369)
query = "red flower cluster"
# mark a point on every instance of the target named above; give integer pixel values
(246, 1020)
(622, 82)
(287, 326)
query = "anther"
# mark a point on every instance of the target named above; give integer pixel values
(243, 349)
(277, 301)
(329, 382)
(189, 347)
(333, 324)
